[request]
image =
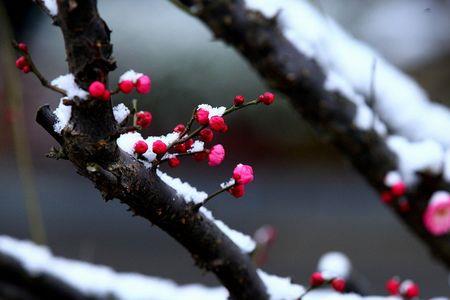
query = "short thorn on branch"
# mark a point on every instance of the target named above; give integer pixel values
(25, 64)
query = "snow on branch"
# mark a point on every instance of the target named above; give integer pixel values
(101, 282)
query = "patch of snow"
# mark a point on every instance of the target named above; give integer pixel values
(197, 146)
(63, 114)
(446, 171)
(348, 64)
(213, 111)
(102, 281)
(130, 75)
(67, 83)
(424, 156)
(243, 241)
(127, 141)
(439, 196)
(392, 177)
(120, 112)
(336, 263)
(183, 189)
(227, 183)
(52, 6)
(280, 288)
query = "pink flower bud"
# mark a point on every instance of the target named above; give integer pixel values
(237, 191)
(21, 62)
(159, 147)
(218, 124)
(140, 147)
(393, 286)
(174, 162)
(437, 214)
(267, 98)
(97, 89)
(206, 135)
(106, 95)
(143, 84)
(126, 86)
(23, 47)
(202, 116)
(143, 119)
(338, 284)
(243, 174)
(216, 155)
(239, 100)
(179, 128)
(316, 279)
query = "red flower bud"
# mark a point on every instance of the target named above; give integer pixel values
(174, 162)
(159, 147)
(143, 119)
(411, 291)
(143, 84)
(188, 144)
(23, 47)
(180, 148)
(140, 147)
(239, 100)
(338, 284)
(202, 116)
(21, 62)
(206, 135)
(200, 156)
(404, 206)
(126, 86)
(387, 197)
(106, 95)
(316, 279)
(398, 189)
(218, 124)
(267, 98)
(179, 128)
(26, 69)
(237, 191)
(393, 285)
(97, 89)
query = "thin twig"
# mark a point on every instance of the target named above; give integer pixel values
(197, 206)
(36, 72)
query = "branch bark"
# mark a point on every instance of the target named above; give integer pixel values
(87, 141)
(260, 40)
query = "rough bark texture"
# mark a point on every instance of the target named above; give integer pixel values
(86, 142)
(301, 79)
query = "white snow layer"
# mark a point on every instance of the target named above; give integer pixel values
(130, 75)
(103, 281)
(213, 111)
(63, 114)
(121, 112)
(335, 263)
(191, 194)
(51, 6)
(67, 83)
(349, 67)
(425, 156)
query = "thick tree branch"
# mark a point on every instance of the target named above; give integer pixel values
(87, 143)
(284, 67)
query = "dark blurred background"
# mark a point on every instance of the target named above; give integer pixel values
(303, 186)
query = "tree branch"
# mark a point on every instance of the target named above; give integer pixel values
(116, 174)
(262, 42)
